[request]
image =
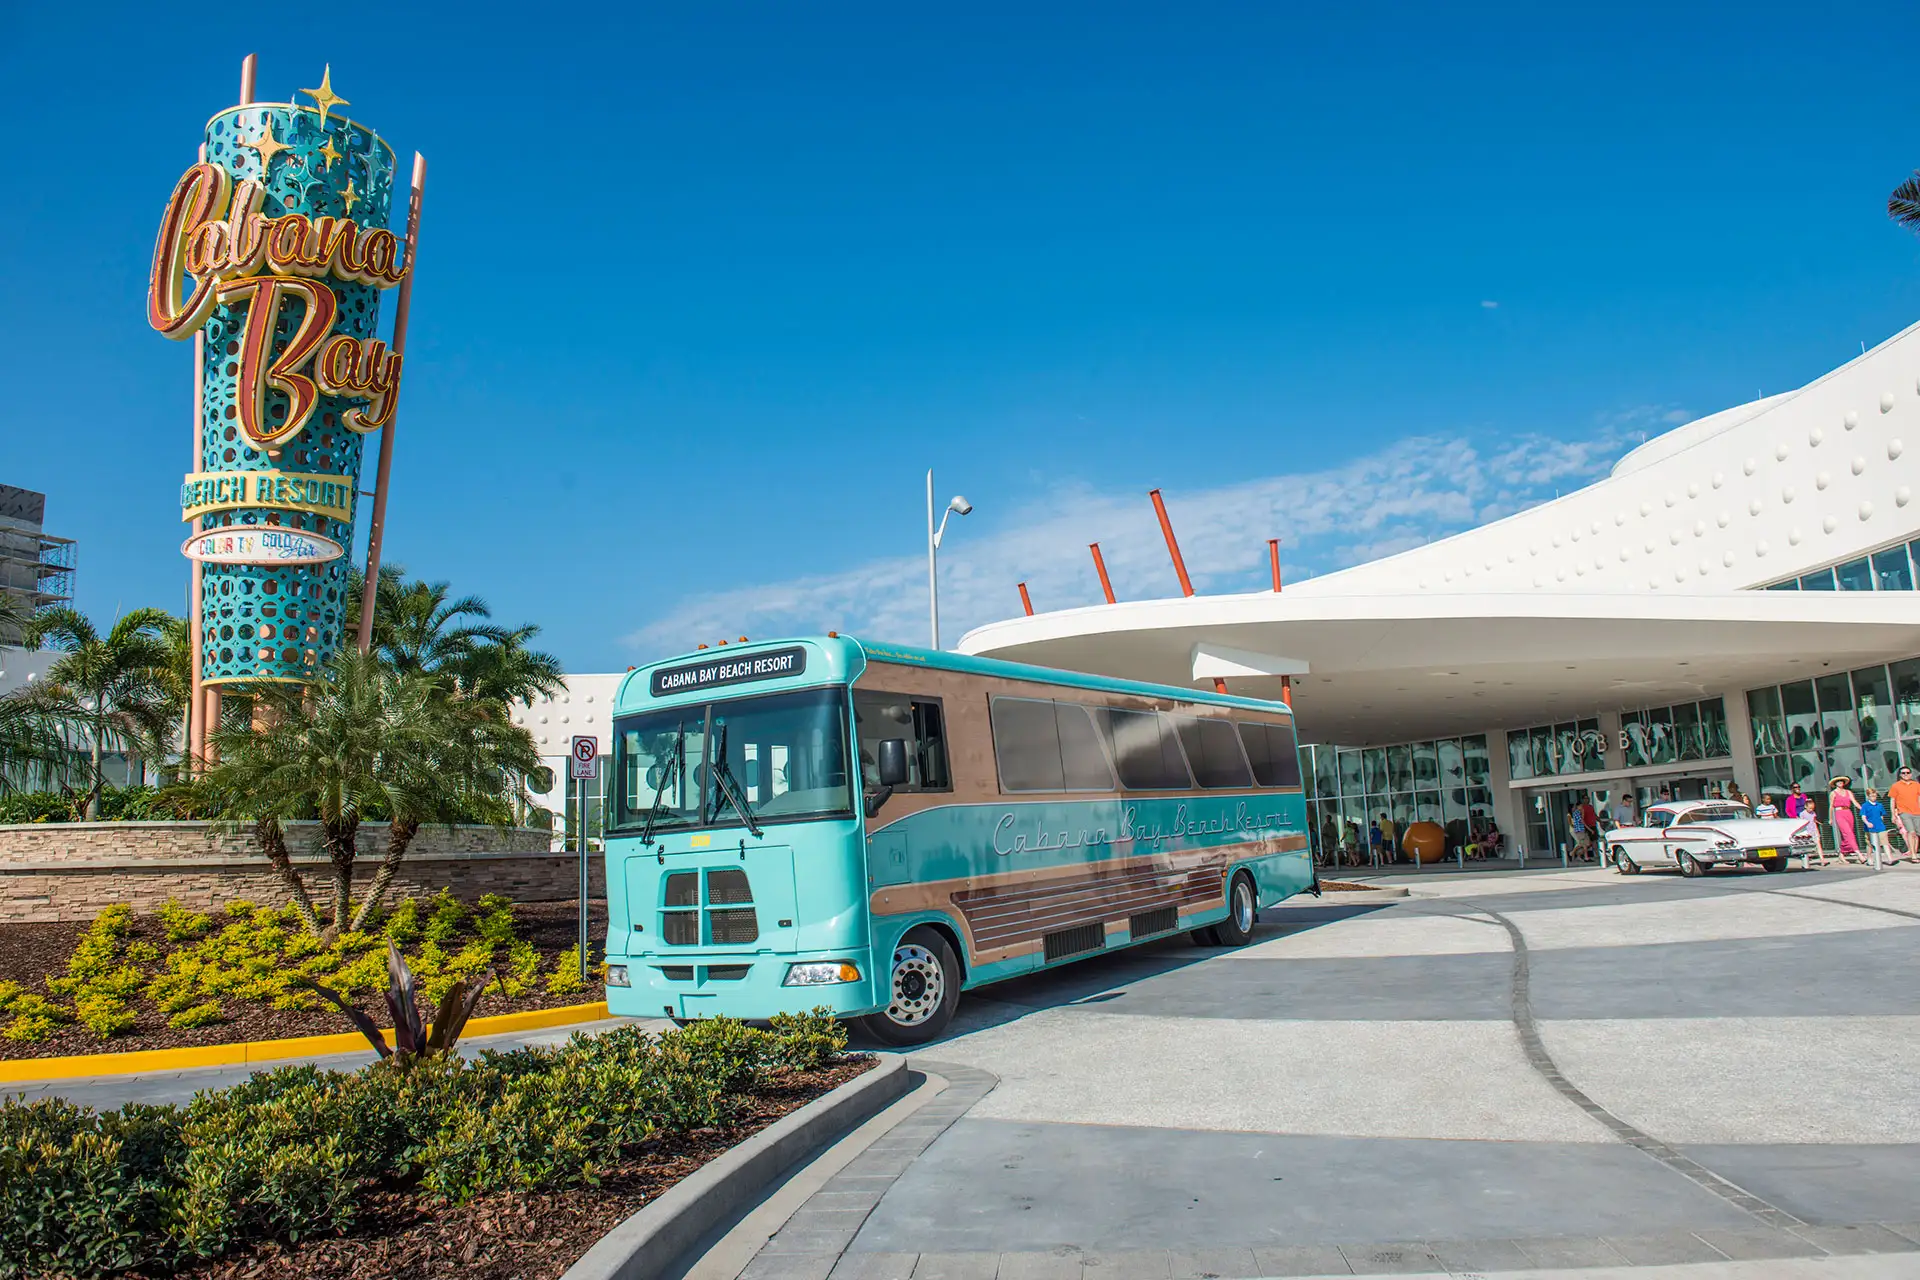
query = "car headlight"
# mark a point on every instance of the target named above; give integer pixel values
(823, 974)
(617, 975)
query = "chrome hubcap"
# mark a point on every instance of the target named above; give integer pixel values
(919, 985)
(1242, 906)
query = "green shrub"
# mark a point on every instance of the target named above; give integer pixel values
(565, 980)
(206, 1014)
(809, 1041)
(182, 925)
(402, 924)
(448, 913)
(296, 1152)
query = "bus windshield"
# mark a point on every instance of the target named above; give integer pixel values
(785, 756)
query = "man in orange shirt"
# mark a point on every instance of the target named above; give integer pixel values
(1904, 798)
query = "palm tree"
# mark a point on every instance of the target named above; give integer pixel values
(1903, 206)
(368, 741)
(417, 626)
(112, 693)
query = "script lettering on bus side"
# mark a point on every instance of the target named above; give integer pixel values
(1008, 841)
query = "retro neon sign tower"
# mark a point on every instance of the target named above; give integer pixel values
(272, 256)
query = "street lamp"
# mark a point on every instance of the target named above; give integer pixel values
(955, 505)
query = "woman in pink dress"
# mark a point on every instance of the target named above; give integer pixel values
(1841, 809)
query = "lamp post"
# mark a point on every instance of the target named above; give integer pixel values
(955, 505)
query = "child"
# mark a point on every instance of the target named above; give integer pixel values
(1766, 808)
(1873, 815)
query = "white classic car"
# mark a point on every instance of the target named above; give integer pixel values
(1699, 835)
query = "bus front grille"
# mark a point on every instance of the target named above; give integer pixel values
(676, 972)
(1076, 941)
(733, 928)
(724, 917)
(727, 887)
(727, 972)
(1148, 923)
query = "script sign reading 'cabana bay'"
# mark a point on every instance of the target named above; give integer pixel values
(275, 248)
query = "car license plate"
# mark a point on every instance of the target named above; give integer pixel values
(1766, 853)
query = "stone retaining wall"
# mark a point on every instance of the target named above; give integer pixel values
(69, 870)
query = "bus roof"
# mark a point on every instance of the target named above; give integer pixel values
(847, 656)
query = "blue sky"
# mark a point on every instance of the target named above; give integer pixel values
(780, 259)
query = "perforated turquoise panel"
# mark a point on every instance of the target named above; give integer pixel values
(273, 622)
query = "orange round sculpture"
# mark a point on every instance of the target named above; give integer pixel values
(1425, 842)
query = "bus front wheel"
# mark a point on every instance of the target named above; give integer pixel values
(924, 987)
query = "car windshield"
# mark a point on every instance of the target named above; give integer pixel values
(786, 758)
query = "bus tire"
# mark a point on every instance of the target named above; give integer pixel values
(1243, 908)
(924, 985)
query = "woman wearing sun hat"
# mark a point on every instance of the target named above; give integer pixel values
(1841, 808)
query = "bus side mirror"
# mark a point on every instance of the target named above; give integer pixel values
(893, 762)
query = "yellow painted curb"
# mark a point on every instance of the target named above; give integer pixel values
(141, 1061)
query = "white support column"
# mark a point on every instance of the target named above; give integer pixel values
(1740, 739)
(1506, 815)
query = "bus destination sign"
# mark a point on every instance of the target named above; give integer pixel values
(730, 670)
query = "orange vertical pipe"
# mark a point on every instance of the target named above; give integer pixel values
(377, 527)
(246, 81)
(1026, 601)
(1173, 547)
(1100, 567)
(1273, 557)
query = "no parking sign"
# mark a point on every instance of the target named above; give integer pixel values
(585, 756)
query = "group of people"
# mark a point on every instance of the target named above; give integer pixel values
(1876, 817)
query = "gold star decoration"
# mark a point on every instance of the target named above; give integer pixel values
(267, 145)
(332, 155)
(324, 97)
(351, 197)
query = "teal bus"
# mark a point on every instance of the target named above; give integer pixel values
(872, 828)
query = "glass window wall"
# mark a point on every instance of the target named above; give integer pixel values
(1447, 782)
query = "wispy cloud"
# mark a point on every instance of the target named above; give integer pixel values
(1489, 304)
(1419, 489)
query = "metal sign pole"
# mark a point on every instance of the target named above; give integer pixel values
(583, 878)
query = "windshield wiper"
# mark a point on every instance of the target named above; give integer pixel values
(725, 784)
(660, 792)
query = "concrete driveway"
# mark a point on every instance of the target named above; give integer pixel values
(1540, 1070)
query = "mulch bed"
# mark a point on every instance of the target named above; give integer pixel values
(513, 1237)
(30, 952)
(1342, 886)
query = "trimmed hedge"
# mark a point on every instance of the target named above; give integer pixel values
(296, 1152)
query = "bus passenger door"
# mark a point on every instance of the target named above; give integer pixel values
(887, 856)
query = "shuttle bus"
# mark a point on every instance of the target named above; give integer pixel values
(875, 828)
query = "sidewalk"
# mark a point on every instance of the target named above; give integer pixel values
(104, 1093)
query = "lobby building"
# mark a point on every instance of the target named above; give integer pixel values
(1733, 605)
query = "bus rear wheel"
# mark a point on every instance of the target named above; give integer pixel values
(1242, 908)
(923, 989)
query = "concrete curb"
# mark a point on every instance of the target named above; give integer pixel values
(1364, 895)
(655, 1238)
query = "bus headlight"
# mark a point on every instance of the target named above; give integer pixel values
(824, 974)
(617, 975)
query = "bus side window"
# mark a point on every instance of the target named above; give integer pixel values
(917, 721)
(1270, 749)
(1213, 753)
(1144, 749)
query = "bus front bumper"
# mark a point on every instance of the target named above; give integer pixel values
(751, 988)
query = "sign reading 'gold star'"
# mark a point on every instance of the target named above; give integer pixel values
(324, 97)
(268, 146)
